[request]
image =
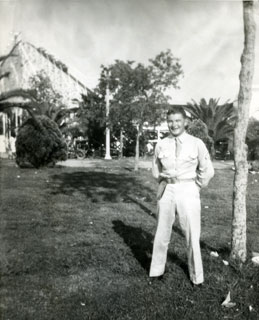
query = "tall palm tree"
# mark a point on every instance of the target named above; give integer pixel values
(219, 119)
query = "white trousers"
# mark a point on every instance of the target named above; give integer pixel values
(183, 199)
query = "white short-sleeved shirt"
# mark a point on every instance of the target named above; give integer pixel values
(193, 161)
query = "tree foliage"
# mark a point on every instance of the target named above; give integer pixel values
(137, 93)
(252, 139)
(91, 117)
(165, 71)
(220, 119)
(40, 143)
(198, 129)
(40, 99)
(48, 101)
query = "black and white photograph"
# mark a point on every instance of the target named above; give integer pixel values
(129, 159)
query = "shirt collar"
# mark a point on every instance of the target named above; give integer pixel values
(182, 137)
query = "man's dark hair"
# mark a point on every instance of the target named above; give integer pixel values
(175, 110)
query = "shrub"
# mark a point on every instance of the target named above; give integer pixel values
(252, 139)
(40, 143)
(254, 166)
(253, 149)
(199, 129)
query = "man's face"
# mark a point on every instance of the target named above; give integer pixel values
(176, 124)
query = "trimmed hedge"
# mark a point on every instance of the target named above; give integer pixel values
(40, 143)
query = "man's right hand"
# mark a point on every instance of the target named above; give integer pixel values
(168, 174)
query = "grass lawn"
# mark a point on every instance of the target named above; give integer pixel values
(75, 243)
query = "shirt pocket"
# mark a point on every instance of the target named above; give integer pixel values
(166, 158)
(189, 157)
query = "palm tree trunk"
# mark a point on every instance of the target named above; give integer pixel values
(238, 244)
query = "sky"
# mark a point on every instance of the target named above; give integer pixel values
(207, 36)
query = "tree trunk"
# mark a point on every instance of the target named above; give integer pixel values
(121, 144)
(238, 243)
(137, 149)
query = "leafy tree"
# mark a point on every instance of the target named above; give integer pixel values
(49, 102)
(139, 91)
(40, 143)
(91, 117)
(220, 119)
(120, 117)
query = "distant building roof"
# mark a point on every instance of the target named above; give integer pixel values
(27, 60)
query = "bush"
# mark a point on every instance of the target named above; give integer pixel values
(252, 139)
(199, 129)
(254, 166)
(253, 149)
(40, 143)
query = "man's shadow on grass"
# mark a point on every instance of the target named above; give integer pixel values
(224, 251)
(141, 244)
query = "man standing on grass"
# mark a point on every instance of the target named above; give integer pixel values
(182, 166)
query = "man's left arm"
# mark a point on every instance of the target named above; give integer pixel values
(205, 170)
